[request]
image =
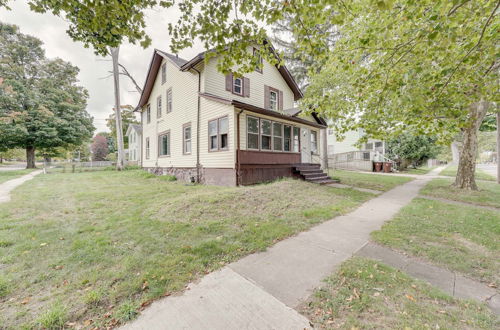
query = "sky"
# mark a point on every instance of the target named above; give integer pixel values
(94, 69)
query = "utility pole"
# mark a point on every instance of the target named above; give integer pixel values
(115, 51)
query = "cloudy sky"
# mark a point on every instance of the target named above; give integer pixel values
(93, 69)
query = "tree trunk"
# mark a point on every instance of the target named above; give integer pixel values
(30, 157)
(120, 162)
(498, 147)
(465, 178)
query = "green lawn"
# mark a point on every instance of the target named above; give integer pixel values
(462, 238)
(488, 193)
(365, 294)
(92, 247)
(9, 175)
(370, 181)
(419, 170)
(480, 174)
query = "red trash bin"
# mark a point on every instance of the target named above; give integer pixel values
(387, 167)
(378, 166)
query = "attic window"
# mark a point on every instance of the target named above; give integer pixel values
(259, 60)
(163, 73)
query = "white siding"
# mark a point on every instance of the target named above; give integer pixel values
(215, 83)
(184, 108)
(348, 144)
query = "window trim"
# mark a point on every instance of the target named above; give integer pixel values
(277, 92)
(169, 105)
(164, 73)
(158, 106)
(314, 152)
(218, 134)
(187, 125)
(258, 133)
(260, 68)
(147, 148)
(167, 133)
(291, 137)
(241, 87)
(283, 124)
(148, 113)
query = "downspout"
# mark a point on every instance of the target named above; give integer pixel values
(238, 148)
(198, 165)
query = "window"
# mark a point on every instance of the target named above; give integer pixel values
(186, 136)
(369, 146)
(148, 114)
(169, 100)
(265, 131)
(273, 100)
(296, 139)
(366, 156)
(378, 144)
(218, 130)
(164, 144)
(287, 138)
(158, 107)
(314, 142)
(330, 131)
(259, 60)
(147, 148)
(277, 136)
(252, 133)
(237, 86)
(163, 73)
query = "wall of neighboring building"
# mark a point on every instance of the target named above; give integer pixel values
(348, 144)
(215, 83)
(184, 109)
(134, 146)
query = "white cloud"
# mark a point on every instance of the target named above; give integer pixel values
(52, 31)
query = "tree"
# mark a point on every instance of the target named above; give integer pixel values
(41, 106)
(412, 149)
(128, 117)
(104, 25)
(99, 148)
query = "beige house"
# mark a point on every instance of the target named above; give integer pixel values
(203, 126)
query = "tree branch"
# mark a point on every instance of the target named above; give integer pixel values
(126, 73)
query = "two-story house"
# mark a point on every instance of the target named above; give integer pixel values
(134, 135)
(201, 125)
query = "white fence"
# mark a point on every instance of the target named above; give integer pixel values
(353, 160)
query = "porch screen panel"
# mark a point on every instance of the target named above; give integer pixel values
(277, 136)
(266, 134)
(252, 133)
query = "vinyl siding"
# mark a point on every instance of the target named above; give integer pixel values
(184, 107)
(348, 144)
(217, 159)
(215, 83)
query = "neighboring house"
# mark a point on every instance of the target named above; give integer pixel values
(346, 154)
(201, 125)
(134, 134)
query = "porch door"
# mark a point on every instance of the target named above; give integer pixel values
(305, 145)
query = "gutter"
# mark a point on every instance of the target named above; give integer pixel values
(198, 113)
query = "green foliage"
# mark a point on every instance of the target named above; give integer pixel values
(54, 318)
(4, 287)
(41, 104)
(412, 149)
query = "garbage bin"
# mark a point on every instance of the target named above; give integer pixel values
(387, 167)
(378, 166)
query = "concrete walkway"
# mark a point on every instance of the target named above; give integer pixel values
(452, 283)
(8, 186)
(261, 290)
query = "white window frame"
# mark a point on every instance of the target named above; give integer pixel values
(273, 104)
(185, 141)
(158, 106)
(169, 100)
(240, 86)
(160, 145)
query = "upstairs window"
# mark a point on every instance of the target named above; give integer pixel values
(256, 54)
(163, 73)
(218, 130)
(158, 107)
(164, 144)
(369, 146)
(238, 86)
(273, 100)
(169, 100)
(148, 114)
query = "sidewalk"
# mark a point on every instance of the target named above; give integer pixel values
(8, 186)
(261, 290)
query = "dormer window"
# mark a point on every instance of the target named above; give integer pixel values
(237, 86)
(259, 60)
(273, 100)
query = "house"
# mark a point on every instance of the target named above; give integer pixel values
(203, 126)
(134, 134)
(349, 154)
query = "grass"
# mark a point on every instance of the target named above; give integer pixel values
(465, 239)
(370, 181)
(102, 244)
(487, 195)
(13, 174)
(365, 294)
(480, 174)
(419, 170)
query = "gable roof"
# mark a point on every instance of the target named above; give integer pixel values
(136, 127)
(287, 76)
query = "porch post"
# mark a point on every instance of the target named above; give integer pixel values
(324, 149)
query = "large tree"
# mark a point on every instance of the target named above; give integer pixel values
(41, 105)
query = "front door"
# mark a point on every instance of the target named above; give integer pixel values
(305, 145)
